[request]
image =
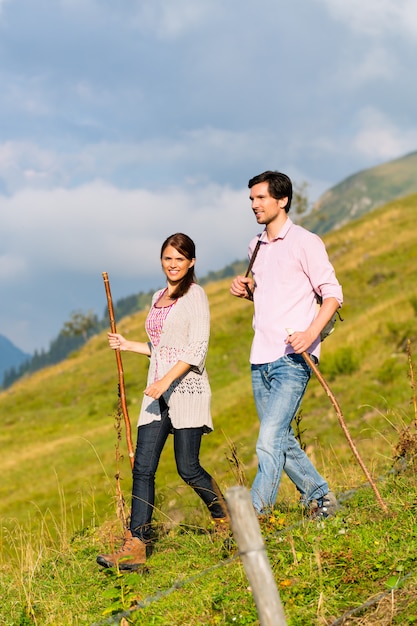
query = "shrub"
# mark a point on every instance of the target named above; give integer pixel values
(343, 361)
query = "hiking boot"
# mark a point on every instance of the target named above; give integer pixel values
(130, 556)
(221, 526)
(324, 507)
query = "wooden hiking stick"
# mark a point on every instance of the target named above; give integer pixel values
(342, 422)
(122, 394)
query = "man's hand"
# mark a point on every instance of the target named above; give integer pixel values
(240, 286)
(300, 341)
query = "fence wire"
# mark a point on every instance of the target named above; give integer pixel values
(179, 584)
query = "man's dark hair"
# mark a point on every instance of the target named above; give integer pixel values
(279, 185)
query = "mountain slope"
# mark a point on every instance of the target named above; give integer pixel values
(362, 193)
(58, 438)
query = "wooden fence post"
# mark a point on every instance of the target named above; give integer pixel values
(252, 551)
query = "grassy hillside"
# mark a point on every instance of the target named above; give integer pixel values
(58, 439)
(362, 193)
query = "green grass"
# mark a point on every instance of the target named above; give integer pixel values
(322, 569)
(58, 461)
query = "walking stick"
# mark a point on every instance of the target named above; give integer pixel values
(342, 422)
(122, 394)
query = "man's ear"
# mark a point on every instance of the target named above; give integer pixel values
(282, 202)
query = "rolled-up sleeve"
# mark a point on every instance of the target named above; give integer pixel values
(321, 271)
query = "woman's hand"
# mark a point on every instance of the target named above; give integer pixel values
(157, 388)
(116, 341)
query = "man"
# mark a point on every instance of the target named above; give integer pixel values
(291, 268)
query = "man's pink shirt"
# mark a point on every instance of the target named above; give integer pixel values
(288, 271)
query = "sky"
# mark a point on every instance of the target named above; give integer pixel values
(122, 122)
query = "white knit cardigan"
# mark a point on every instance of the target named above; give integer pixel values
(184, 337)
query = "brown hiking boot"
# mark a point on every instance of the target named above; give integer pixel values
(221, 526)
(130, 556)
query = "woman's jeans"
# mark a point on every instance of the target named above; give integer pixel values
(278, 389)
(150, 443)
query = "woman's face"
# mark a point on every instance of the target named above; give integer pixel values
(175, 265)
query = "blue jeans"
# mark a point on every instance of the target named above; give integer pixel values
(150, 443)
(278, 389)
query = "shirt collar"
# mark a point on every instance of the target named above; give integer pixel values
(282, 233)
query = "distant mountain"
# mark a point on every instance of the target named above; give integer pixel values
(363, 192)
(10, 356)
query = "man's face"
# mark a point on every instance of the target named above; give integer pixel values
(266, 208)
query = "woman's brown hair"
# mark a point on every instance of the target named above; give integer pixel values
(185, 246)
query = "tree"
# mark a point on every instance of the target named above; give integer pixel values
(80, 324)
(300, 202)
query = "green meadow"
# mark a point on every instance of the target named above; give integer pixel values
(62, 446)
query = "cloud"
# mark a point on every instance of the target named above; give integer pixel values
(98, 226)
(380, 139)
(190, 157)
(376, 18)
(12, 267)
(171, 21)
(58, 242)
(25, 164)
(374, 65)
(162, 19)
(122, 122)
(2, 3)
(372, 136)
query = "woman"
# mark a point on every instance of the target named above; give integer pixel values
(176, 400)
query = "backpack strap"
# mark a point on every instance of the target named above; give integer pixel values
(251, 262)
(319, 299)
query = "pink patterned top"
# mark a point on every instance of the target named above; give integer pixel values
(155, 323)
(155, 320)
